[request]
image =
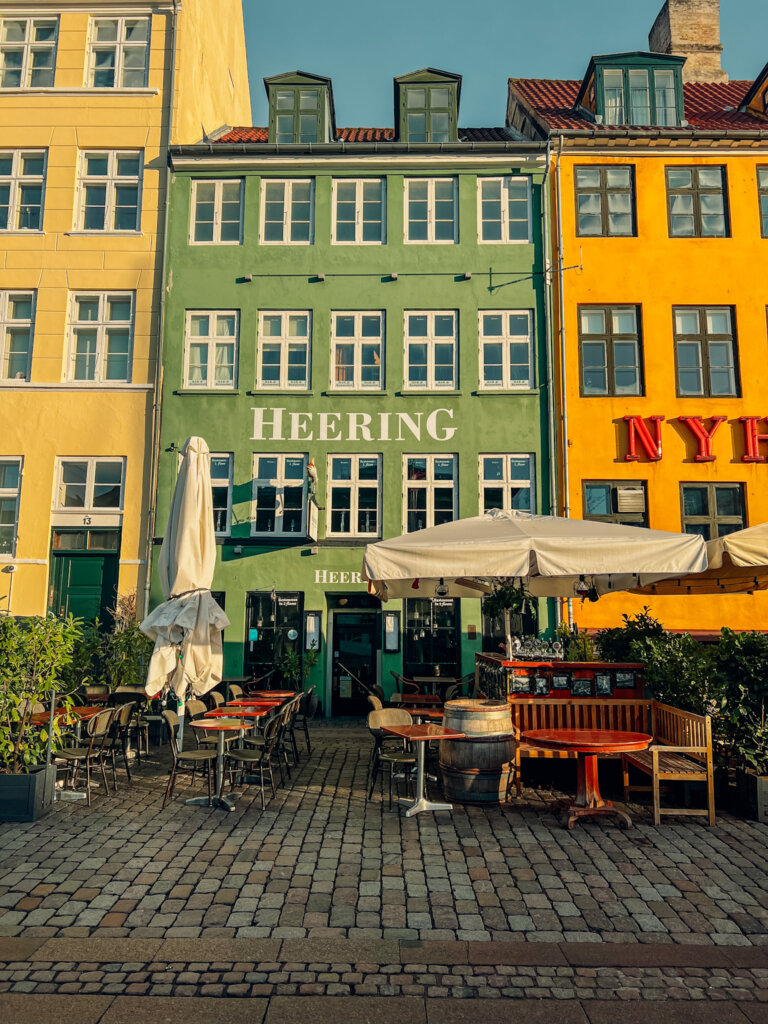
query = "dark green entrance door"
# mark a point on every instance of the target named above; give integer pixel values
(83, 582)
(354, 657)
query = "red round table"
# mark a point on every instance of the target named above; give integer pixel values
(269, 694)
(588, 744)
(221, 726)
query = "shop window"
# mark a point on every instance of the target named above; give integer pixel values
(615, 501)
(274, 623)
(279, 496)
(712, 510)
(507, 483)
(432, 637)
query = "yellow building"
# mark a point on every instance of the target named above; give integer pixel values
(91, 95)
(659, 198)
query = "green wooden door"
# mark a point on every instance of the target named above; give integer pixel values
(84, 584)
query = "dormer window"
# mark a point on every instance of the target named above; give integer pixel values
(426, 106)
(634, 89)
(300, 109)
(428, 113)
(297, 116)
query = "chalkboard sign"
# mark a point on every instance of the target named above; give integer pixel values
(625, 680)
(581, 687)
(602, 686)
(541, 686)
(520, 684)
(561, 682)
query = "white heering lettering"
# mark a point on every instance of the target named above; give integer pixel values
(333, 577)
(355, 577)
(329, 426)
(437, 434)
(321, 576)
(300, 426)
(326, 576)
(343, 577)
(404, 420)
(359, 421)
(260, 422)
(268, 425)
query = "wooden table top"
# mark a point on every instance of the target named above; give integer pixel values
(588, 741)
(274, 693)
(417, 698)
(220, 725)
(43, 717)
(253, 703)
(431, 712)
(427, 731)
(236, 713)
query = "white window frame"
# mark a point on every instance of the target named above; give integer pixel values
(358, 343)
(360, 184)
(508, 481)
(92, 461)
(284, 341)
(218, 202)
(101, 326)
(119, 45)
(8, 323)
(430, 341)
(354, 484)
(430, 239)
(17, 181)
(280, 482)
(505, 339)
(430, 485)
(504, 181)
(230, 463)
(288, 186)
(213, 341)
(13, 493)
(112, 181)
(28, 48)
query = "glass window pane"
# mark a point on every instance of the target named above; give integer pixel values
(592, 321)
(718, 321)
(728, 501)
(686, 321)
(695, 501)
(416, 97)
(597, 499)
(624, 321)
(493, 468)
(679, 177)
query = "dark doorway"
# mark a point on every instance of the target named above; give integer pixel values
(84, 573)
(354, 650)
(432, 633)
(273, 630)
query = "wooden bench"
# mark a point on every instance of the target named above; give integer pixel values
(681, 752)
(572, 713)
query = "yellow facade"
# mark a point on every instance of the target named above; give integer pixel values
(656, 273)
(198, 50)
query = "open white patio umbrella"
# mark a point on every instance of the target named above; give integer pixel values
(548, 555)
(187, 627)
(737, 564)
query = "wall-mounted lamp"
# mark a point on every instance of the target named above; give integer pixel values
(467, 275)
(393, 277)
(319, 277)
(247, 278)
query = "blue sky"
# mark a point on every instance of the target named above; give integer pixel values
(363, 44)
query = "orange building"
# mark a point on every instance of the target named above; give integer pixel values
(659, 200)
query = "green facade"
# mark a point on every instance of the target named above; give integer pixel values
(325, 278)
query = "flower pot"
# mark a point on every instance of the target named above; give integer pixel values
(753, 794)
(27, 797)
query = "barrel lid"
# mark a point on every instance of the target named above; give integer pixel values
(470, 704)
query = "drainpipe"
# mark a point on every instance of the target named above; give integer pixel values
(157, 404)
(563, 368)
(550, 344)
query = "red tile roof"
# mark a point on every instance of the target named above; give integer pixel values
(712, 106)
(251, 135)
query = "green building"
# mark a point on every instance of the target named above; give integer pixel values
(356, 323)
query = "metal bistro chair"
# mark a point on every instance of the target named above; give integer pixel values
(90, 755)
(392, 757)
(187, 760)
(256, 757)
(216, 699)
(405, 685)
(305, 711)
(118, 738)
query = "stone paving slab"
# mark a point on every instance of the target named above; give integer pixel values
(678, 1013)
(18, 949)
(524, 953)
(24, 1009)
(609, 954)
(210, 950)
(370, 951)
(163, 1010)
(97, 950)
(345, 1010)
(451, 1011)
(756, 1014)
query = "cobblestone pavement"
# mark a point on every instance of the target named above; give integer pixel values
(327, 894)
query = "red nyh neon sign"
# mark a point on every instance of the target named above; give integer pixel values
(704, 437)
(752, 439)
(638, 431)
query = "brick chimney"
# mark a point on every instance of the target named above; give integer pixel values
(691, 29)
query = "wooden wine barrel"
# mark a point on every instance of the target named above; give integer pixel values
(477, 770)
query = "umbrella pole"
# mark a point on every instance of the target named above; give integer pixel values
(508, 632)
(180, 713)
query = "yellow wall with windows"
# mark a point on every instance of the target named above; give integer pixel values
(656, 272)
(45, 418)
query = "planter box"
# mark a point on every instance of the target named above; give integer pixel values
(27, 797)
(753, 795)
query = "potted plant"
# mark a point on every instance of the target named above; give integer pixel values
(125, 651)
(34, 653)
(291, 667)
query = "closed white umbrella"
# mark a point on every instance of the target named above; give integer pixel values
(550, 556)
(187, 627)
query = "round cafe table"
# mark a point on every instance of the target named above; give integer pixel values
(269, 694)
(588, 744)
(421, 734)
(219, 726)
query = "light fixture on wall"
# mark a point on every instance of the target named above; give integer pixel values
(441, 590)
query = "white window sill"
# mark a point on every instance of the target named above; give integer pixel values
(189, 390)
(502, 241)
(34, 232)
(382, 242)
(91, 90)
(262, 242)
(72, 385)
(100, 234)
(209, 244)
(426, 241)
